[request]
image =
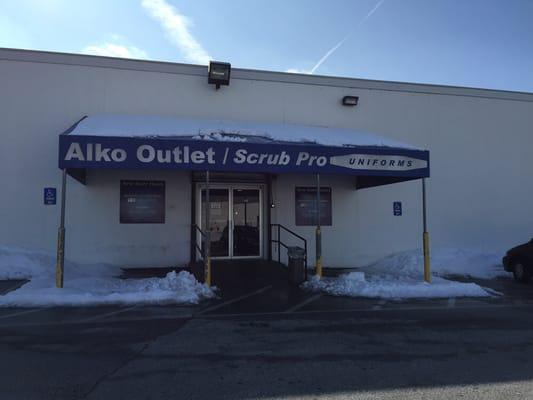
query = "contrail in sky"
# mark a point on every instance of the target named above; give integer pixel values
(332, 50)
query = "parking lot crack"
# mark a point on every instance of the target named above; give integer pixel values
(115, 370)
(124, 364)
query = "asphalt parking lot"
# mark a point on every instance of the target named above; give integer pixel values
(275, 342)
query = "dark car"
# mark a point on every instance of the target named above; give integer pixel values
(519, 261)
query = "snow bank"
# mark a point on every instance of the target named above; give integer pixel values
(119, 125)
(90, 285)
(400, 276)
(19, 263)
(444, 263)
(22, 264)
(357, 284)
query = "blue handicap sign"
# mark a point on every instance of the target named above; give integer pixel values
(397, 208)
(50, 196)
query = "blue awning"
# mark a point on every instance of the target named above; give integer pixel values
(149, 142)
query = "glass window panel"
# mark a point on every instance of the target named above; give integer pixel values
(246, 222)
(218, 221)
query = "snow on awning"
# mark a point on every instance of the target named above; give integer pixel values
(141, 142)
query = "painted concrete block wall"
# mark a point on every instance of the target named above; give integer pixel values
(363, 228)
(339, 241)
(478, 195)
(95, 233)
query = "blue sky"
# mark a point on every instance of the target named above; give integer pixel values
(477, 43)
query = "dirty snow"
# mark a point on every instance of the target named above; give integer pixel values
(120, 125)
(394, 277)
(400, 276)
(445, 262)
(90, 285)
(359, 284)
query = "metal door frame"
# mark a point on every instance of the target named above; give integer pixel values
(231, 187)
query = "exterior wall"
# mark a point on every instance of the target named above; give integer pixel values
(480, 142)
(339, 241)
(94, 233)
(363, 225)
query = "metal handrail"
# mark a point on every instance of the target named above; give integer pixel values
(196, 229)
(280, 243)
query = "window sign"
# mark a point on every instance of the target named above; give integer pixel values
(306, 209)
(142, 202)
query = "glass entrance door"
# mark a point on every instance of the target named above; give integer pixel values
(235, 221)
(246, 223)
(218, 221)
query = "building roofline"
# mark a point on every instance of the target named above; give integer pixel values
(49, 57)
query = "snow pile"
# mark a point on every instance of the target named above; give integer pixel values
(22, 264)
(120, 125)
(356, 284)
(400, 276)
(444, 263)
(91, 284)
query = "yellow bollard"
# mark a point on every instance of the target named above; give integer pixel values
(208, 272)
(318, 252)
(427, 269)
(60, 257)
(319, 267)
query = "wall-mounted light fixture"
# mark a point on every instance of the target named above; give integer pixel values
(350, 101)
(218, 73)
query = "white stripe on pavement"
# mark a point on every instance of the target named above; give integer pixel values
(235, 300)
(33, 310)
(109, 314)
(303, 303)
(363, 310)
(272, 314)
